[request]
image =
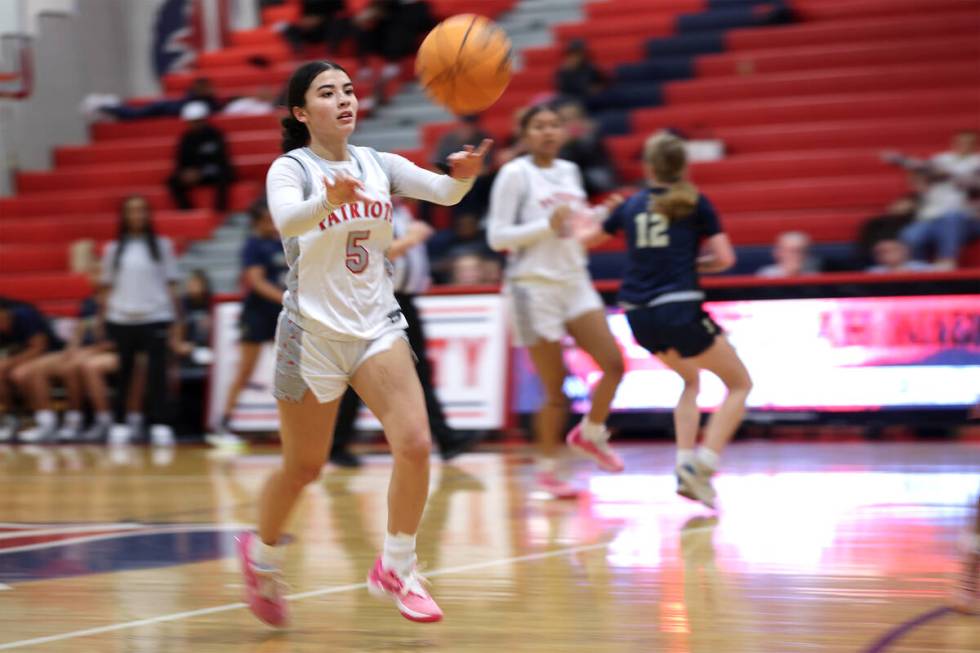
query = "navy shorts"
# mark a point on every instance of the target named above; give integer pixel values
(682, 326)
(258, 325)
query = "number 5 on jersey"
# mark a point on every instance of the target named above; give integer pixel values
(357, 256)
(651, 230)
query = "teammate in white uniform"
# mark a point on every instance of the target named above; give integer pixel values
(340, 325)
(533, 203)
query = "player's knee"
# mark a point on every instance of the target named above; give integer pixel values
(692, 384)
(302, 474)
(741, 384)
(614, 367)
(414, 444)
(21, 375)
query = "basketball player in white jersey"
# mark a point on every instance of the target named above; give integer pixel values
(341, 326)
(533, 202)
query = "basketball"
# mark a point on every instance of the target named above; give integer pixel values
(464, 63)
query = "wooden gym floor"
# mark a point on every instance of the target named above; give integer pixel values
(825, 547)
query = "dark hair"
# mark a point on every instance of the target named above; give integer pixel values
(149, 232)
(666, 155)
(202, 276)
(294, 133)
(534, 110)
(258, 208)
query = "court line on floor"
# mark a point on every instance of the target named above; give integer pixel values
(190, 614)
(904, 628)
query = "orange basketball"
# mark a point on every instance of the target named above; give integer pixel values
(464, 63)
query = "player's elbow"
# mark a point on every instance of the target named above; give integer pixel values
(726, 261)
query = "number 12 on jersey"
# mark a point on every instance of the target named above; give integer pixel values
(651, 230)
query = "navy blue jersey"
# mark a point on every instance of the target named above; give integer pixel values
(662, 253)
(267, 253)
(27, 322)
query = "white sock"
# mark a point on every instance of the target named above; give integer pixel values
(45, 419)
(399, 553)
(73, 419)
(547, 465)
(134, 420)
(103, 417)
(709, 458)
(265, 556)
(685, 456)
(594, 432)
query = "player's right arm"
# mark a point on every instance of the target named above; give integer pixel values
(718, 254)
(293, 215)
(503, 232)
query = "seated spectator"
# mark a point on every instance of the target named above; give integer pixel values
(473, 269)
(202, 159)
(201, 90)
(88, 339)
(886, 226)
(196, 317)
(260, 104)
(387, 31)
(193, 351)
(464, 237)
(892, 255)
(792, 255)
(585, 149)
(25, 337)
(947, 218)
(577, 77)
(320, 22)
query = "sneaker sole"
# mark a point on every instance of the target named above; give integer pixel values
(573, 444)
(382, 594)
(693, 487)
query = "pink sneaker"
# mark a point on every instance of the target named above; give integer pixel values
(408, 593)
(263, 588)
(554, 486)
(600, 452)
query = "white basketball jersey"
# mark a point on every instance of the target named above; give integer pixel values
(338, 284)
(555, 258)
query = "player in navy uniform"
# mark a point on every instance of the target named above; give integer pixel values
(666, 226)
(264, 270)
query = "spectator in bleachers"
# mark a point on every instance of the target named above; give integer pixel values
(892, 255)
(264, 274)
(577, 77)
(464, 237)
(886, 226)
(946, 219)
(263, 102)
(201, 90)
(320, 22)
(202, 159)
(25, 337)
(389, 30)
(792, 255)
(585, 149)
(139, 272)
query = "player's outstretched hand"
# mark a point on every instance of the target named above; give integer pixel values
(344, 190)
(561, 219)
(468, 163)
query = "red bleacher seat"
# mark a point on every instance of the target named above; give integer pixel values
(242, 194)
(43, 287)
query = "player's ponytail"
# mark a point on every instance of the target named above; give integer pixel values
(294, 133)
(666, 158)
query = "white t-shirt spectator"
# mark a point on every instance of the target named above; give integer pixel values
(945, 196)
(139, 290)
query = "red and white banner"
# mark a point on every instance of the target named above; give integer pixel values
(467, 343)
